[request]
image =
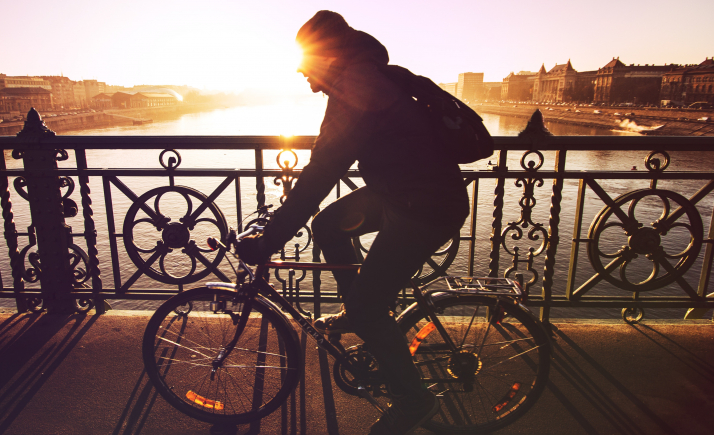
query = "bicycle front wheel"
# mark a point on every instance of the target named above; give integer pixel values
(184, 338)
(491, 369)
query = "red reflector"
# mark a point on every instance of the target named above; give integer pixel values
(421, 335)
(206, 403)
(508, 397)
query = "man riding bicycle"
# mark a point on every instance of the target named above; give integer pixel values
(414, 197)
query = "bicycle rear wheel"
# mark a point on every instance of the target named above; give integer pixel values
(184, 337)
(497, 370)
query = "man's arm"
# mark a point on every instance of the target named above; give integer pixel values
(335, 150)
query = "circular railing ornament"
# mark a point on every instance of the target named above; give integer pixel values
(654, 242)
(166, 235)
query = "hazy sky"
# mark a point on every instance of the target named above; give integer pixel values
(238, 44)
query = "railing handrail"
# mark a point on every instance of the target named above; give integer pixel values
(509, 143)
(468, 174)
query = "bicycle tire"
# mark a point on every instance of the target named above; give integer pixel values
(474, 386)
(179, 347)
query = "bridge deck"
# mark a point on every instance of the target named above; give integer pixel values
(83, 375)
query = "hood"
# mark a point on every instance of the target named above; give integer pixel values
(362, 47)
(359, 47)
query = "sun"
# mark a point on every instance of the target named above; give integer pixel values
(286, 58)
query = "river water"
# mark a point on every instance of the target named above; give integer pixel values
(304, 119)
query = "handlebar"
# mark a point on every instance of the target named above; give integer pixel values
(253, 229)
(214, 243)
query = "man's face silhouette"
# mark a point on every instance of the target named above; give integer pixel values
(315, 69)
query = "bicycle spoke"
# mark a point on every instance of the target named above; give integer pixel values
(181, 345)
(515, 356)
(473, 317)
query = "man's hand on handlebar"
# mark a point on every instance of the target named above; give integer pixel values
(253, 249)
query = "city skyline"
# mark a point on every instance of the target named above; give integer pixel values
(230, 47)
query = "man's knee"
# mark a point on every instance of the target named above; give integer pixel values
(323, 228)
(329, 226)
(366, 317)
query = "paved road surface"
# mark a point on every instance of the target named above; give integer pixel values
(84, 375)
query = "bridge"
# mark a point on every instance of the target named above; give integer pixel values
(652, 218)
(79, 231)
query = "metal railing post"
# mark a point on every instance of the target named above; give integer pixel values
(46, 209)
(11, 239)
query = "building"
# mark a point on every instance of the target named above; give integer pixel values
(688, 84)
(149, 99)
(490, 91)
(126, 100)
(23, 99)
(93, 88)
(121, 100)
(518, 87)
(449, 87)
(583, 90)
(637, 84)
(24, 82)
(549, 87)
(102, 101)
(563, 84)
(62, 92)
(470, 86)
(80, 94)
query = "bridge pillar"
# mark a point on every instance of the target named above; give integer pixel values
(39, 157)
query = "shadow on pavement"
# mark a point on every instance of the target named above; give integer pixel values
(138, 407)
(692, 361)
(580, 376)
(32, 347)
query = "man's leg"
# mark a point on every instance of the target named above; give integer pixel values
(400, 248)
(357, 213)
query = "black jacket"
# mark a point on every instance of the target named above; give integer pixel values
(370, 120)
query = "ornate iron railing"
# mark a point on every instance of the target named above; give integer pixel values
(632, 262)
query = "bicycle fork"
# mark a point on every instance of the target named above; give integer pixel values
(242, 321)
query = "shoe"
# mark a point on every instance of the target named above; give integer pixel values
(406, 414)
(336, 323)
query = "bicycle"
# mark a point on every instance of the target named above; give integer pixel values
(227, 353)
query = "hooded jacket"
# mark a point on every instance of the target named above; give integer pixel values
(369, 119)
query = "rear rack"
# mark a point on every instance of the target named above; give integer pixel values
(483, 285)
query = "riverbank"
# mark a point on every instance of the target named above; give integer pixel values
(645, 120)
(109, 118)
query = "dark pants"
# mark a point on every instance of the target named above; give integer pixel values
(399, 249)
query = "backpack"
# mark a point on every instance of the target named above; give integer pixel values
(460, 131)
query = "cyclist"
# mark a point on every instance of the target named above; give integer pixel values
(414, 197)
